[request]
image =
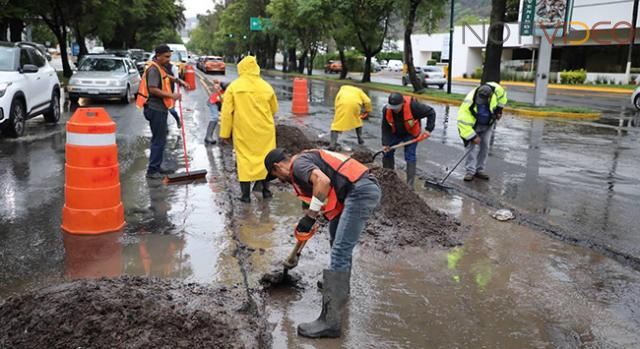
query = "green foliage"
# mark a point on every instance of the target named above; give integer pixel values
(470, 19)
(573, 77)
(40, 33)
(431, 62)
(390, 55)
(477, 73)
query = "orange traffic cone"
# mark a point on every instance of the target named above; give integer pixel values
(92, 175)
(300, 103)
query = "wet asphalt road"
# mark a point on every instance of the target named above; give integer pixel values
(508, 286)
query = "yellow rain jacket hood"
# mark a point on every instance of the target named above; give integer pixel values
(349, 103)
(247, 115)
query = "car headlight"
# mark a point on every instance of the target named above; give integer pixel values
(3, 87)
(116, 83)
(73, 81)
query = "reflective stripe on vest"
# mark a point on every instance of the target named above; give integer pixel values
(143, 90)
(343, 165)
(410, 124)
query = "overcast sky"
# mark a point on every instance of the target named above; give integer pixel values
(196, 7)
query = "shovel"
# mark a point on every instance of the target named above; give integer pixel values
(420, 138)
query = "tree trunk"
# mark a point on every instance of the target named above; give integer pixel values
(292, 59)
(3, 29)
(493, 54)
(302, 61)
(366, 75)
(80, 39)
(16, 26)
(408, 51)
(343, 61)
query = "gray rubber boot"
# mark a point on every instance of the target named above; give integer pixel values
(389, 162)
(333, 144)
(334, 299)
(411, 174)
(359, 134)
(210, 136)
(245, 188)
(320, 284)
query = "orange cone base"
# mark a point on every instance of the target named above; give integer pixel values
(88, 222)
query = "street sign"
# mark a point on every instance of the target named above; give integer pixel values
(75, 49)
(526, 21)
(445, 48)
(258, 24)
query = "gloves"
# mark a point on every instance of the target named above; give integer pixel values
(305, 224)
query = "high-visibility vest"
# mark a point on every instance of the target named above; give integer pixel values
(344, 166)
(143, 90)
(410, 124)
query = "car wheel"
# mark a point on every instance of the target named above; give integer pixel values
(441, 86)
(127, 96)
(636, 102)
(404, 81)
(16, 124)
(53, 114)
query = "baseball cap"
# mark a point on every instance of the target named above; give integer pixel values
(161, 49)
(274, 156)
(483, 94)
(395, 101)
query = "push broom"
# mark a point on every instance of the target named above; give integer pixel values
(187, 176)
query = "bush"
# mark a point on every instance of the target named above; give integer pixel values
(385, 56)
(573, 77)
(431, 62)
(477, 74)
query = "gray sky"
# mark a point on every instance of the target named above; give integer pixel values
(195, 7)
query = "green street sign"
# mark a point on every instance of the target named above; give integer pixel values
(258, 24)
(526, 22)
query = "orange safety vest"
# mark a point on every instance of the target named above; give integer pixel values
(345, 166)
(410, 124)
(143, 90)
(216, 97)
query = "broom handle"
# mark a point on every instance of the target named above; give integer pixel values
(456, 166)
(184, 137)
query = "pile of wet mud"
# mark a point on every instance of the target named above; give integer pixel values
(129, 312)
(293, 140)
(404, 219)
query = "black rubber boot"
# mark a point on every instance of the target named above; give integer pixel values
(210, 136)
(359, 134)
(411, 174)
(334, 299)
(389, 162)
(333, 144)
(245, 187)
(266, 193)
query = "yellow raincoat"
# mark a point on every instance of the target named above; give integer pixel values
(348, 105)
(247, 116)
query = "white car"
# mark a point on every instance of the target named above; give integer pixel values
(635, 98)
(29, 86)
(104, 76)
(394, 65)
(431, 76)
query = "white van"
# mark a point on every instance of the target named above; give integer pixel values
(394, 65)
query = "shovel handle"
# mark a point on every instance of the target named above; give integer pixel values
(420, 138)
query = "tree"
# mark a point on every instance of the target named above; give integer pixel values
(493, 54)
(431, 12)
(370, 20)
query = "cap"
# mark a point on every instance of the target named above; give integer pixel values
(483, 94)
(395, 101)
(274, 156)
(160, 49)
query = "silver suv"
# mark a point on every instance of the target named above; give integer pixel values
(103, 77)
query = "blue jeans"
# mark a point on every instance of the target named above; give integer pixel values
(345, 229)
(158, 123)
(409, 150)
(214, 113)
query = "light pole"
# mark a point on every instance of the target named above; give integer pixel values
(450, 72)
(634, 20)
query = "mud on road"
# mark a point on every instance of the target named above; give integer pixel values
(130, 312)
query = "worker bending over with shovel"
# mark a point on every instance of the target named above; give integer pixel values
(401, 122)
(481, 108)
(352, 106)
(343, 190)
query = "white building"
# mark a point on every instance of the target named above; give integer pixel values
(592, 43)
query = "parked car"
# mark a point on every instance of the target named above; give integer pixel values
(430, 76)
(29, 86)
(103, 77)
(635, 98)
(213, 64)
(394, 65)
(200, 62)
(383, 64)
(333, 67)
(43, 49)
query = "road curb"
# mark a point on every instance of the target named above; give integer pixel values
(518, 111)
(557, 86)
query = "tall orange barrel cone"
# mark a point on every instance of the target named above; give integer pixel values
(300, 103)
(190, 77)
(92, 175)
